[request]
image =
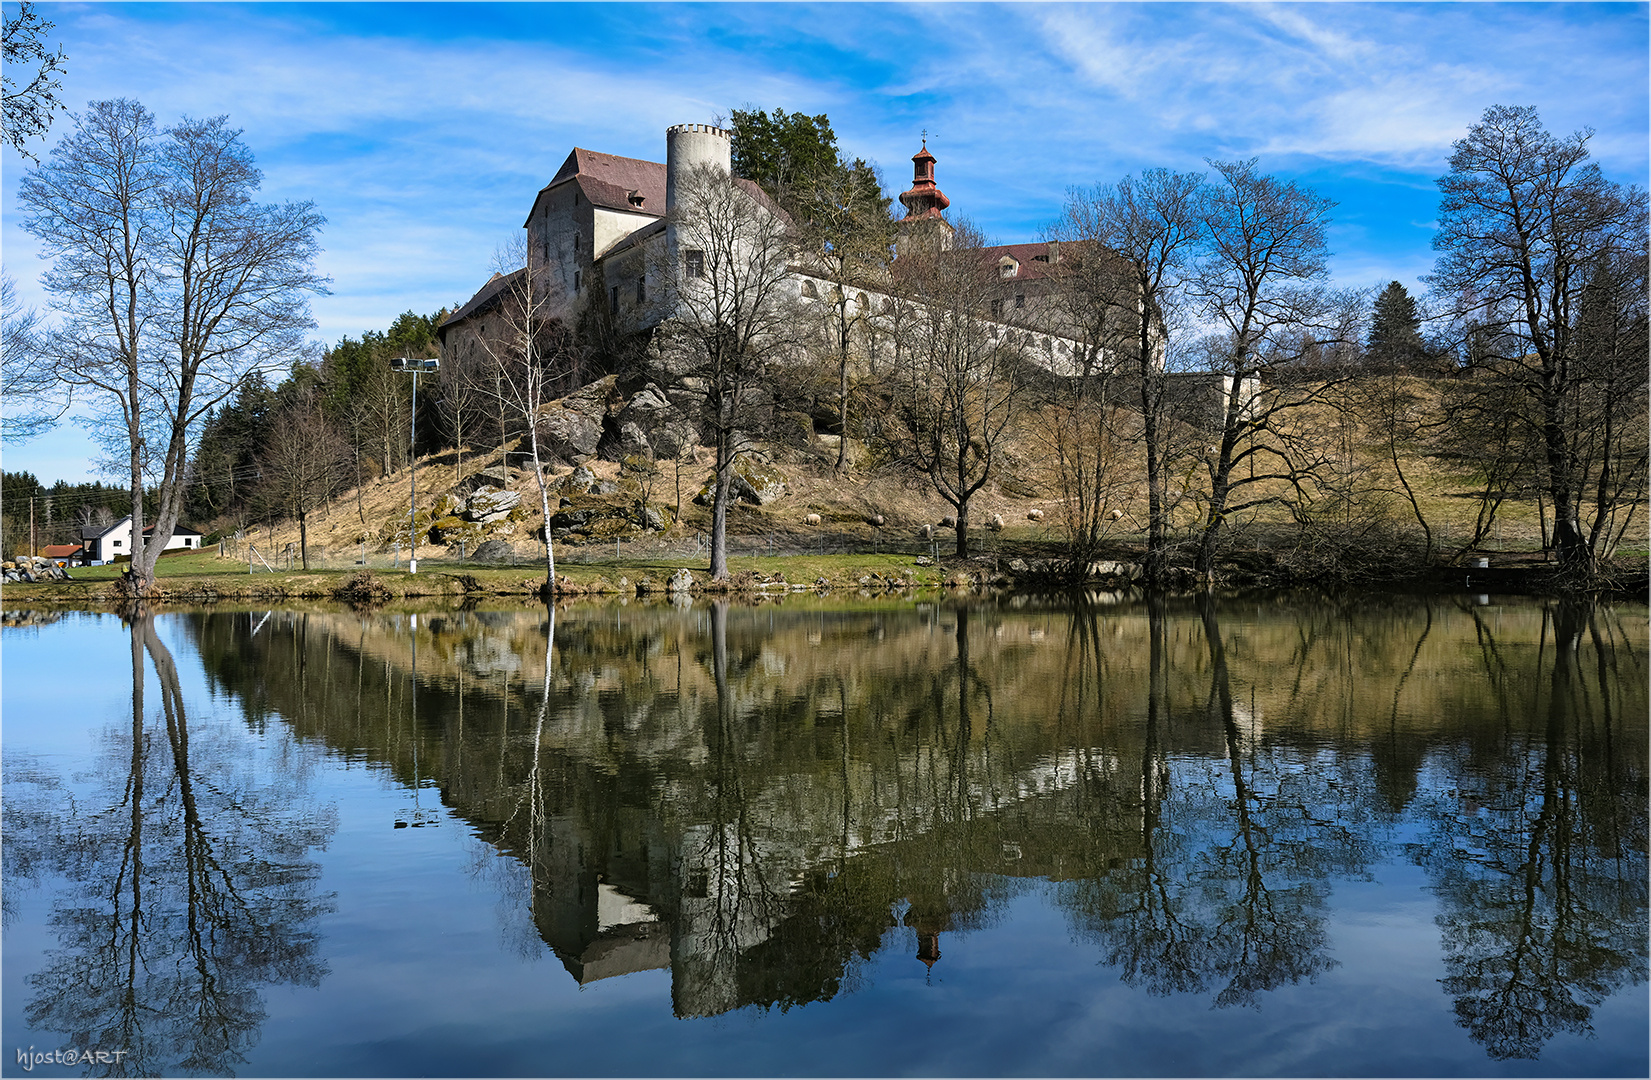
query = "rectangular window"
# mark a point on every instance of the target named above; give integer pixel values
(1020, 300)
(576, 281)
(997, 309)
(641, 289)
(613, 300)
(114, 543)
(695, 260)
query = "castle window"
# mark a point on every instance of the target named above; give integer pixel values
(694, 262)
(576, 281)
(613, 300)
(641, 289)
(1020, 301)
(997, 309)
(809, 290)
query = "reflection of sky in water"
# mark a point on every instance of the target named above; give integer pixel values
(435, 966)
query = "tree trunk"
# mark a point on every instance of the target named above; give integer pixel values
(842, 396)
(1157, 553)
(719, 516)
(304, 539)
(963, 528)
(544, 507)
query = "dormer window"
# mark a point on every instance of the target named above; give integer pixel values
(1040, 258)
(1007, 267)
(635, 198)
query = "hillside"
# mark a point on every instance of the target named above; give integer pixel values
(635, 502)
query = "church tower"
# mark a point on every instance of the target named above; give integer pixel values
(923, 223)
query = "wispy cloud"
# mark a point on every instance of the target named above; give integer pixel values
(423, 131)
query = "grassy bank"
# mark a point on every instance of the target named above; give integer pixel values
(205, 576)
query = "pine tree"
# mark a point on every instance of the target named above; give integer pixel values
(1395, 340)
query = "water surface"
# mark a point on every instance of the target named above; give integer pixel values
(1392, 836)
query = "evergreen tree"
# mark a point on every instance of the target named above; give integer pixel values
(794, 157)
(1395, 340)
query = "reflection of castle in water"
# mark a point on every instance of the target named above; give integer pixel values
(668, 826)
(757, 800)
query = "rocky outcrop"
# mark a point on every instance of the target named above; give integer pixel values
(756, 482)
(489, 504)
(570, 435)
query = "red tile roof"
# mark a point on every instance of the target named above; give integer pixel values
(610, 181)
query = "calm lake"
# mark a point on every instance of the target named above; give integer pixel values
(1389, 836)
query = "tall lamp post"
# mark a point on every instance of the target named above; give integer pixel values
(405, 364)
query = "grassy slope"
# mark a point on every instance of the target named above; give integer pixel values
(1029, 482)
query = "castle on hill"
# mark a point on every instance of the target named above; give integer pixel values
(599, 238)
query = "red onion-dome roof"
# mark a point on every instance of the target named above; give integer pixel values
(924, 200)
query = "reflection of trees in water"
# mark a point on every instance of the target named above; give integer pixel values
(1225, 886)
(1538, 855)
(781, 793)
(189, 893)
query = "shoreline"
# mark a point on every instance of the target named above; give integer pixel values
(758, 578)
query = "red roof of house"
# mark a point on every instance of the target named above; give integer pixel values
(60, 551)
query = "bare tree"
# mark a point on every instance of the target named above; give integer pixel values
(959, 375)
(849, 238)
(527, 354)
(28, 387)
(1261, 261)
(172, 286)
(31, 106)
(734, 325)
(304, 464)
(1524, 220)
(1129, 269)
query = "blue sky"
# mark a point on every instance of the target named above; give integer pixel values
(422, 131)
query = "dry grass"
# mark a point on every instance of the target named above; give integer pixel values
(1447, 491)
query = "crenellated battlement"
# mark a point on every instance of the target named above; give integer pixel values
(699, 129)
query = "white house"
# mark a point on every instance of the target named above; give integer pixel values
(107, 544)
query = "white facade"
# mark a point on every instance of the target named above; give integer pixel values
(116, 541)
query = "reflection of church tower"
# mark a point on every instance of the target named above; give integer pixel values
(928, 926)
(924, 202)
(928, 948)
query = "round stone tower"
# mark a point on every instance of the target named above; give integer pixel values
(690, 145)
